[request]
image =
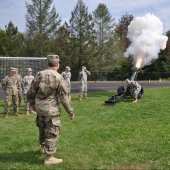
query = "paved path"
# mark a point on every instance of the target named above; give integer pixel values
(109, 85)
(112, 85)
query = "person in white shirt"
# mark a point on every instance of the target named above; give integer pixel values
(26, 83)
(67, 78)
(83, 82)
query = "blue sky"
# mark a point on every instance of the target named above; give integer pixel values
(14, 10)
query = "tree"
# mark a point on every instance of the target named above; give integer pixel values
(41, 24)
(104, 24)
(104, 29)
(2, 42)
(82, 34)
(11, 41)
(122, 29)
(62, 45)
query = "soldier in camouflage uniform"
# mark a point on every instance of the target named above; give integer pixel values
(83, 82)
(10, 85)
(135, 88)
(47, 90)
(19, 77)
(26, 84)
(67, 76)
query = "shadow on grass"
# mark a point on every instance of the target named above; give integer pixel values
(29, 157)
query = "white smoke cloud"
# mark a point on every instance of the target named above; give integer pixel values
(147, 39)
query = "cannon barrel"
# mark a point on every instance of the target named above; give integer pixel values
(134, 75)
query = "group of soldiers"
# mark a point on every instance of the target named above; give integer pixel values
(43, 95)
(14, 87)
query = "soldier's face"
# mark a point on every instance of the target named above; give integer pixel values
(12, 73)
(29, 73)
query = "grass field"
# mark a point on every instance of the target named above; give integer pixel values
(125, 136)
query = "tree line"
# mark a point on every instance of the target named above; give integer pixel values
(91, 39)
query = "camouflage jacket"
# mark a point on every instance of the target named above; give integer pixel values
(26, 83)
(83, 75)
(10, 85)
(47, 91)
(19, 77)
(66, 76)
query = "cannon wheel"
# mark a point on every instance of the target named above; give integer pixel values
(120, 90)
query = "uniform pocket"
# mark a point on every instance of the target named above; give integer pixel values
(56, 121)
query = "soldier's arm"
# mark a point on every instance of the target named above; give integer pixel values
(62, 91)
(31, 94)
(4, 83)
(88, 72)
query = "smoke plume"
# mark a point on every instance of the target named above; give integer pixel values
(145, 35)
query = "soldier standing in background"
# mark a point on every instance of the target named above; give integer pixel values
(83, 82)
(47, 90)
(26, 84)
(11, 85)
(67, 76)
(19, 77)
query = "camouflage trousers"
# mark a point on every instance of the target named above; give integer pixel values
(11, 99)
(27, 105)
(49, 127)
(83, 89)
(19, 97)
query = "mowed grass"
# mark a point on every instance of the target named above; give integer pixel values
(123, 136)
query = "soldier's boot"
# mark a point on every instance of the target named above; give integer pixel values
(85, 96)
(27, 113)
(32, 112)
(16, 114)
(50, 160)
(5, 115)
(135, 101)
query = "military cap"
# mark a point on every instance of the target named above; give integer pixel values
(13, 69)
(67, 68)
(29, 69)
(84, 67)
(54, 58)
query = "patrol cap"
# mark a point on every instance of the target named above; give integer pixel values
(53, 59)
(84, 67)
(67, 68)
(13, 69)
(29, 69)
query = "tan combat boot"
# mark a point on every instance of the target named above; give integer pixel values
(16, 114)
(27, 113)
(50, 160)
(33, 112)
(5, 115)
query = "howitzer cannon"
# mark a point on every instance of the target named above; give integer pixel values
(123, 92)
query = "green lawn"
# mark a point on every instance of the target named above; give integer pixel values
(125, 136)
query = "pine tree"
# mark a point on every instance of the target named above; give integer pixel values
(104, 24)
(82, 33)
(104, 29)
(12, 41)
(41, 23)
